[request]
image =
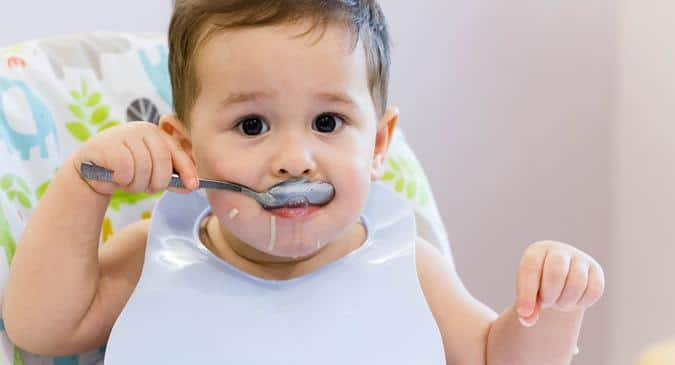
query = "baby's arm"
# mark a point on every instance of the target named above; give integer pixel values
(464, 322)
(474, 334)
(54, 280)
(61, 298)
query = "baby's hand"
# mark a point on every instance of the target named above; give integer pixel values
(557, 276)
(141, 156)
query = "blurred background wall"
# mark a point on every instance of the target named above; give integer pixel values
(27, 19)
(642, 294)
(510, 107)
(534, 120)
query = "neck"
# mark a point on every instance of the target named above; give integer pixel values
(242, 255)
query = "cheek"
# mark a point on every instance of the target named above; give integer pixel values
(224, 202)
(214, 166)
(207, 158)
(221, 163)
(351, 181)
(349, 168)
(239, 215)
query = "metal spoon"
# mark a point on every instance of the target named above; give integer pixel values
(295, 192)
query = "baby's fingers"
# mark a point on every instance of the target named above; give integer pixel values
(528, 280)
(121, 162)
(161, 162)
(532, 319)
(183, 165)
(577, 281)
(142, 165)
(595, 287)
(556, 268)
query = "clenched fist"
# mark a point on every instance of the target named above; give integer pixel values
(557, 276)
(142, 156)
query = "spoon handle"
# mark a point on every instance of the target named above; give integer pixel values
(91, 171)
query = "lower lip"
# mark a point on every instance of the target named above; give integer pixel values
(290, 213)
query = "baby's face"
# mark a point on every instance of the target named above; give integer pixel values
(273, 106)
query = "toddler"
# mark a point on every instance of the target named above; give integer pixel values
(267, 91)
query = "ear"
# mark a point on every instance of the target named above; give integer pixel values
(176, 130)
(385, 132)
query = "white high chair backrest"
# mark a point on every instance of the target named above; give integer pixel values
(57, 92)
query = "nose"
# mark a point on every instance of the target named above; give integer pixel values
(294, 159)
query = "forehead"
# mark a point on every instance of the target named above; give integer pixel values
(283, 57)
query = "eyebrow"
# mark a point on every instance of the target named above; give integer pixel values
(243, 97)
(248, 96)
(336, 97)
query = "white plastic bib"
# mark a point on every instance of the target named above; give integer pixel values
(191, 307)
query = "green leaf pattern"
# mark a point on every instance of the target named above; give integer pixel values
(16, 189)
(40, 191)
(18, 356)
(407, 178)
(8, 243)
(121, 197)
(87, 111)
(90, 113)
(6, 239)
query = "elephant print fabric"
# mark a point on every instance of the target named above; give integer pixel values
(40, 118)
(55, 94)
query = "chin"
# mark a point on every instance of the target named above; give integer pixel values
(292, 250)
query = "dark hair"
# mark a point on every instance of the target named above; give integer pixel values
(194, 21)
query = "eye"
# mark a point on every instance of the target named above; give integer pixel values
(327, 123)
(253, 126)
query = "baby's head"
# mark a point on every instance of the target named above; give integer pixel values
(269, 90)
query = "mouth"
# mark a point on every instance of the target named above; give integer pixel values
(294, 211)
(294, 192)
